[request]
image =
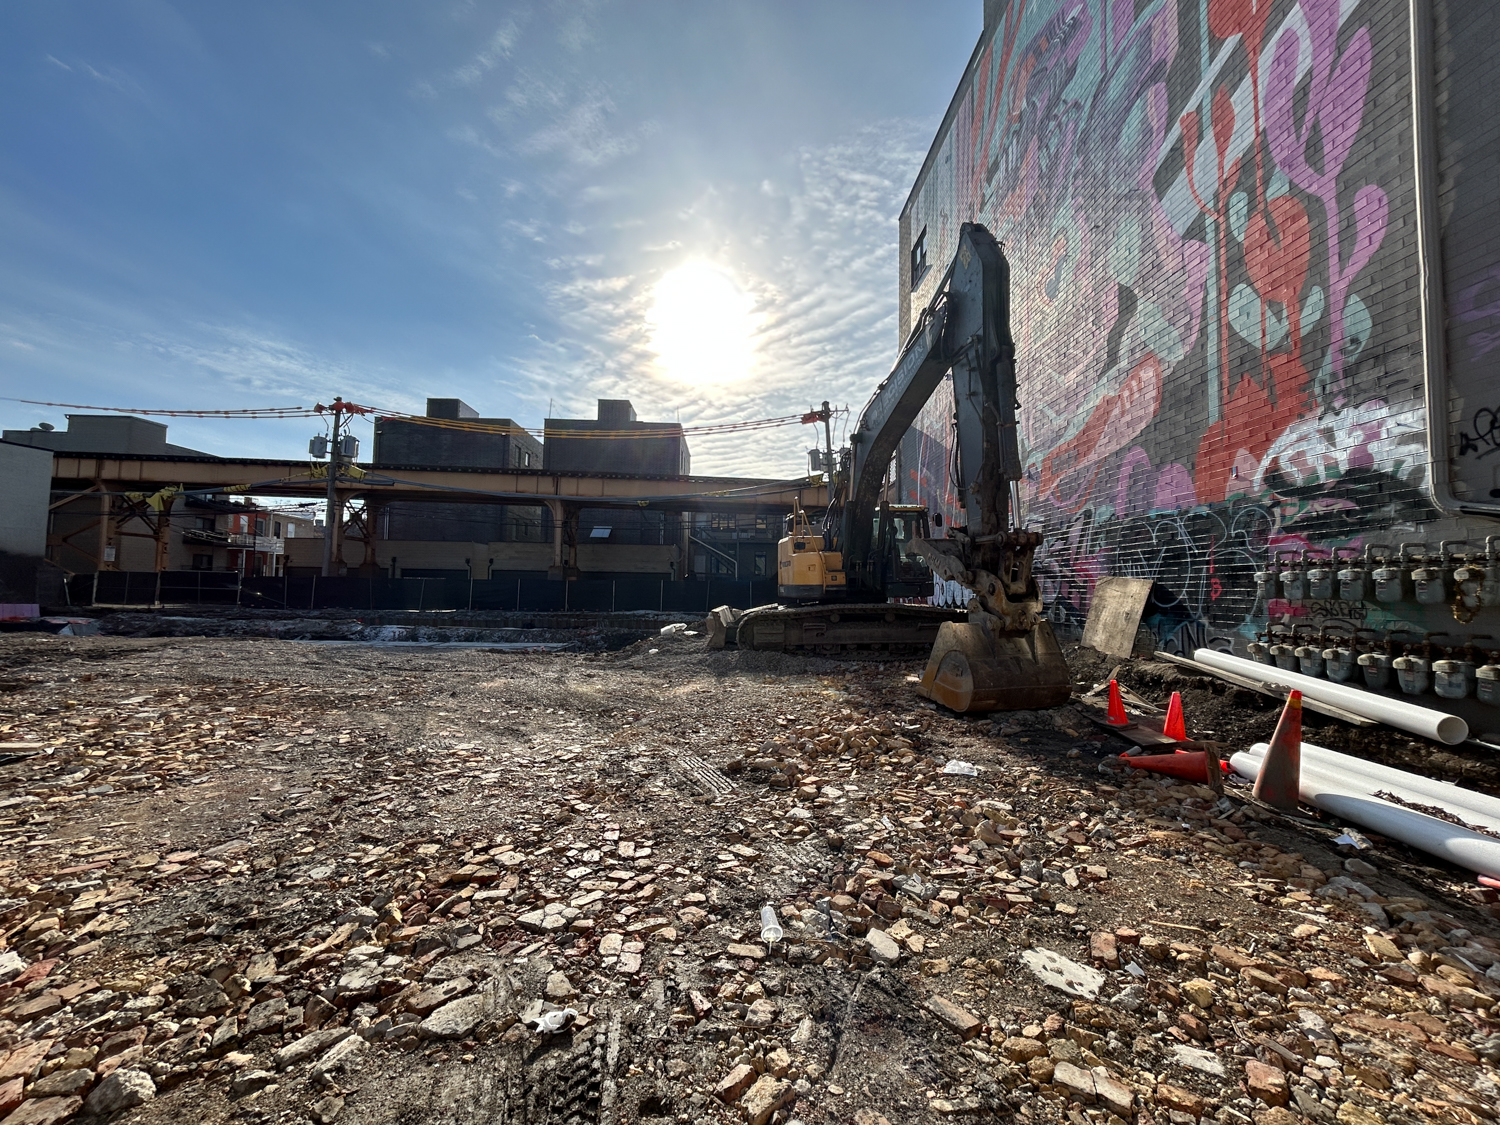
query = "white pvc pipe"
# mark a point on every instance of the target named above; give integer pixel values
(1459, 846)
(1475, 808)
(1437, 725)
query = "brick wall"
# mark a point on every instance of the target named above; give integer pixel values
(1467, 57)
(1215, 294)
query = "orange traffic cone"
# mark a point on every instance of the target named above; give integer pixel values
(1174, 728)
(1116, 716)
(1279, 780)
(1188, 765)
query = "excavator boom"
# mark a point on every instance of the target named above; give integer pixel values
(1002, 654)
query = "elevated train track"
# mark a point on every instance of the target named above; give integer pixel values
(99, 495)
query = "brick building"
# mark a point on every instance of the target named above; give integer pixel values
(1217, 218)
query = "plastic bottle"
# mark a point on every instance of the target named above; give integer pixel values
(770, 928)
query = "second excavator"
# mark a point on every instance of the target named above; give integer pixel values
(837, 579)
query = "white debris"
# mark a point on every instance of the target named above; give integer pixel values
(1056, 971)
(1194, 1059)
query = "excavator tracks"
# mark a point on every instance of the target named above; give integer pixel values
(889, 628)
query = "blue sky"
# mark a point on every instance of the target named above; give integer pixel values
(691, 205)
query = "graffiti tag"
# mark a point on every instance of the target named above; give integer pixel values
(1486, 436)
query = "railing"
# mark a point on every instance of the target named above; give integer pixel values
(269, 544)
(202, 535)
(524, 593)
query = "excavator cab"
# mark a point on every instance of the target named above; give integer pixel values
(805, 572)
(900, 571)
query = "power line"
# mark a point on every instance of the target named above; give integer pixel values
(707, 429)
(465, 425)
(250, 412)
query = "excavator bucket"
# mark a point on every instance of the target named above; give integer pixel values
(974, 669)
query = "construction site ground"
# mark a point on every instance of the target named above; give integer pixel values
(261, 880)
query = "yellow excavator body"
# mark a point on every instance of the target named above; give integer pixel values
(805, 572)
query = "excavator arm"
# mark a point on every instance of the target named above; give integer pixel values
(1005, 656)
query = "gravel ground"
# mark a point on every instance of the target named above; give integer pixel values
(260, 880)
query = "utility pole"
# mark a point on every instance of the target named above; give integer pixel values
(827, 439)
(333, 512)
(333, 518)
(824, 415)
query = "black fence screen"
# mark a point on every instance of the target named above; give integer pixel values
(527, 593)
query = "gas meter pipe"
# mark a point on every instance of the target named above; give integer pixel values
(1424, 721)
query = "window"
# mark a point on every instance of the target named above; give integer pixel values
(600, 533)
(918, 257)
(276, 529)
(760, 564)
(525, 460)
(717, 521)
(205, 523)
(291, 531)
(203, 562)
(762, 523)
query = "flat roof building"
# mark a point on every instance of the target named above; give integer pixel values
(492, 443)
(104, 433)
(616, 442)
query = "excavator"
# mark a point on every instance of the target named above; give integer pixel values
(836, 581)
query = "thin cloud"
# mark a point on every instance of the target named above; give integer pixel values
(816, 253)
(496, 51)
(110, 76)
(114, 78)
(583, 135)
(575, 30)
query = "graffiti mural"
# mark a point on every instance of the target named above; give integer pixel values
(1197, 206)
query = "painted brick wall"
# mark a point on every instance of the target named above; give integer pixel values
(1208, 208)
(1467, 41)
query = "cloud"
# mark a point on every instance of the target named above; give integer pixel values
(582, 134)
(496, 51)
(115, 357)
(575, 29)
(817, 253)
(110, 76)
(115, 78)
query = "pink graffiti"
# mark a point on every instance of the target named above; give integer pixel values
(1335, 110)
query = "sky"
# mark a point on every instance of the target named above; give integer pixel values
(530, 206)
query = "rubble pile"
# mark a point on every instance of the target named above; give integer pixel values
(277, 883)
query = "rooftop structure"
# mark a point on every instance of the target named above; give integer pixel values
(104, 433)
(484, 443)
(616, 442)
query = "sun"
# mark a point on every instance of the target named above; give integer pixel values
(702, 326)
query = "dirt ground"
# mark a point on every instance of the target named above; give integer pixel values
(260, 880)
